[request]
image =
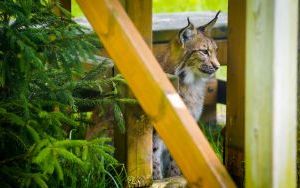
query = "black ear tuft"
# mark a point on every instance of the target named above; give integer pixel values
(208, 27)
(189, 22)
(187, 32)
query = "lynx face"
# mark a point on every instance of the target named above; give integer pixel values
(198, 53)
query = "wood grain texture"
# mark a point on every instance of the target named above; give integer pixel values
(139, 128)
(235, 117)
(178, 182)
(140, 12)
(134, 59)
(271, 88)
(298, 107)
(66, 4)
(209, 114)
(167, 25)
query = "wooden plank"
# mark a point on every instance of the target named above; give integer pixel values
(271, 88)
(178, 20)
(134, 59)
(235, 111)
(222, 51)
(211, 92)
(139, 128)
(170, 182)
(66, 4)
(298, 107)
(209, 115)
(140, 12)
(165, 26)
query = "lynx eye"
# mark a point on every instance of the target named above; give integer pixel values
(204, 52)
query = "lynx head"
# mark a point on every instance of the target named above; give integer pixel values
(198, 52)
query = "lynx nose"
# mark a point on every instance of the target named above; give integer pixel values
(209, 69)
(216, 67)
(215, 63)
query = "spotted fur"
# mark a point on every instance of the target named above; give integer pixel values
(192, 56)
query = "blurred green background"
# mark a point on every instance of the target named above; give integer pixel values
(160, 6)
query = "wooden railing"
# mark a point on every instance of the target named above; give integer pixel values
(156, 95)
(134, 148)
(260, 109)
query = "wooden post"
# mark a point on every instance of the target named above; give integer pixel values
(235, 120)
(298, 105)
(139, 128)
(158, 98)
(66, 4)
(271, 88)
(209, 115)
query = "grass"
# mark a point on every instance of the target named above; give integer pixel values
(160, 6)
(213, 133)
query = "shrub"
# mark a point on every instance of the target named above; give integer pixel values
(42, 91)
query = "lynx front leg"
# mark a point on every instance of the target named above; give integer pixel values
(158, 163)
(173, 169)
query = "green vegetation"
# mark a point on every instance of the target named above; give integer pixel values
(76, 9)
(222, 73)
(213, 133)
(44, 97)
(161, 6)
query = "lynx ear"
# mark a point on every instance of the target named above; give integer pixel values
(208, 27)
(187, 33)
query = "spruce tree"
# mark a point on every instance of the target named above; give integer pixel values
(43, 89)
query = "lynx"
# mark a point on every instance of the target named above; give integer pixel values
(192, 56)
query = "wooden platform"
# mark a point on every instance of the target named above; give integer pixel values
(174, 182)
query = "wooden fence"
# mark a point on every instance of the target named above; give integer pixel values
(164, 27)
(261, 97)
(159, 99)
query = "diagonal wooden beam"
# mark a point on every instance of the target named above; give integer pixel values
(156, 95)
